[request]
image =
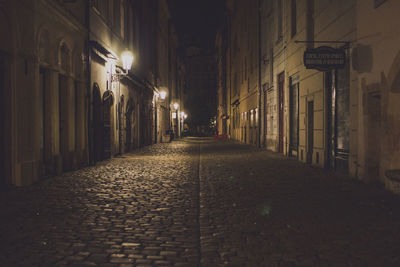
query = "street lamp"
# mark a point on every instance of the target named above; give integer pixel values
(127, 60)
(163, 95)
(175, 115)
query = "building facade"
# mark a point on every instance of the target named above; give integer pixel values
(337, 118)
(67, 99)
(43, 89)
(376, 60)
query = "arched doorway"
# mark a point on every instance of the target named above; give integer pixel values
(120, 124)
(108, 101)
(6, 97)
(45, 105)
(3, 125)
(64, 106)
(97, 124)
(128, 122)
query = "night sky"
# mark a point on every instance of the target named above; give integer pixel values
(196, 21)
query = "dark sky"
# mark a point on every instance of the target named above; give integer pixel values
(196, 21)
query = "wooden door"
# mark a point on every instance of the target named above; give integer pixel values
(6, 153)
(310, 131)
(2, 124)
(45, 138)
(63, 119)
(265, 117)
(374, 135)
(128, 122)
(107, 103)
(294, 119)
(342, 119)
(330, 121)
(97, 124)
(281, 81)
(338, 119)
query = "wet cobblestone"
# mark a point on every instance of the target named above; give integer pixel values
(199, 202)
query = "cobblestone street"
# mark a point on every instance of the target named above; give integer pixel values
(199, 202)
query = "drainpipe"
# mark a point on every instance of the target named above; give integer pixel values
(259, 73)
(89, 96)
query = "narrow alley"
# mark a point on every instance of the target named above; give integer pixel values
(199, 202)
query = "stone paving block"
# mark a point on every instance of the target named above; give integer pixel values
(168, 253)
(121, 260)
(143, 261)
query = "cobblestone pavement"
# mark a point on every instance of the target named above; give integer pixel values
(137, 210)
(199, 202)
(261, 209)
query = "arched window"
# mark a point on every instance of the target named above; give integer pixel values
(64, 58)
(78, 64)
(44, 47)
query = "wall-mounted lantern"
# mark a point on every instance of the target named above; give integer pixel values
(127, 60)
(163, 95)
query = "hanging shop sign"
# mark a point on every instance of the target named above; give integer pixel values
(324, 58)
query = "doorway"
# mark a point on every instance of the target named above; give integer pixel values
(310, 131)
(265, 116)
(337, 89)
(2, 124)
(97, 124)
(107, 104)
(374, 135)
(44, 142)
(281, 84)
(6, 161)
(120, 124)
(63, 119)
(294, 118)
(128, 117)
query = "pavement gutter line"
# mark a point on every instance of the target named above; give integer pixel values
(198, 189)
